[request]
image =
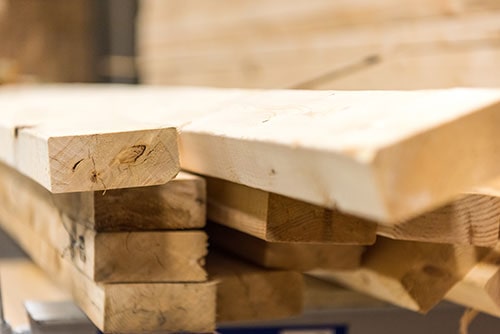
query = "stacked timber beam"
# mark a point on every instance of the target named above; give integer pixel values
(298, 181)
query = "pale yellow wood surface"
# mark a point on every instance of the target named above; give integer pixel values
(473, 219)
(179, 204)
(413, 275)
(258, 42)
(480, 288)
(122, 307)
(294, 255)
(138, 256)
(249, 292)
(276, 218)
(360, 152)
(21, 280)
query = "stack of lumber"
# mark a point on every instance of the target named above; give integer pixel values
(320, 44)
(296, 181)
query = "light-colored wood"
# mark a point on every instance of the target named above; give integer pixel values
(293, 256)
(249, 292)
(21, 280)
(480, 288)
(276, 218)
(258, 42)
(179, 204)
(413, 275)
(139, 256)
(473, 219)
(360, 152)
(123, 307)
(84, 151)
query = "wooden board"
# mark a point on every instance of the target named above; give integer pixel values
(293, 256)
(276, 218)
(21, 280)
(249, 292)
(139, 256)
(480, 288)
(366, 153)
(258, 42)
(472, 219)
(82, 152)
(123, 307)
(179, 204)
(413, 275)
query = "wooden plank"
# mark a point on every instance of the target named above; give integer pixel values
(413, 275)
(179, 204)
(82, 153)
(123, 307)
(276, 218)
(472, 219)
(293, 256)
(479, 289)
(359, 152)
(21, 280)
(249, 292)
(156, 256)
(256, 48)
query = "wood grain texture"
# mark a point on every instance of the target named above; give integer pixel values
(276, 218)
(480, 288)
(156, 256)
(365, 153)
(249, 292)
(473, 219)
(413, 275)
(177, 205)
(293, 256)
(258, 42)
(122, 307)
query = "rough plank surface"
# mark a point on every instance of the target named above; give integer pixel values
(156, 256)
(179, 204)
(480, 288)
(276, 218)
(365, 153)
(293, 256)
(122, 307)
(413, 275)
(249, 292)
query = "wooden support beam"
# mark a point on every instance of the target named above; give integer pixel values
(277, 218)
(413, 275)
(249, 292)
(307, 145)
(293, 256)
(155, 256)
(480, 288)
(179, 204)
(473, 219)
(122, 307)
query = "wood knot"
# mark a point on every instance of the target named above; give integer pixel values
(130, 154)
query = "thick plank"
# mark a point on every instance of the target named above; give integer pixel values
(156, 256)
(122, 307)
(365, 153)
(84, 152)
(480, 288)
(472, 219)
(276, 218)
(249, 292)
(179, 204)
(413, 275)
(257, 47)
(293, 256)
